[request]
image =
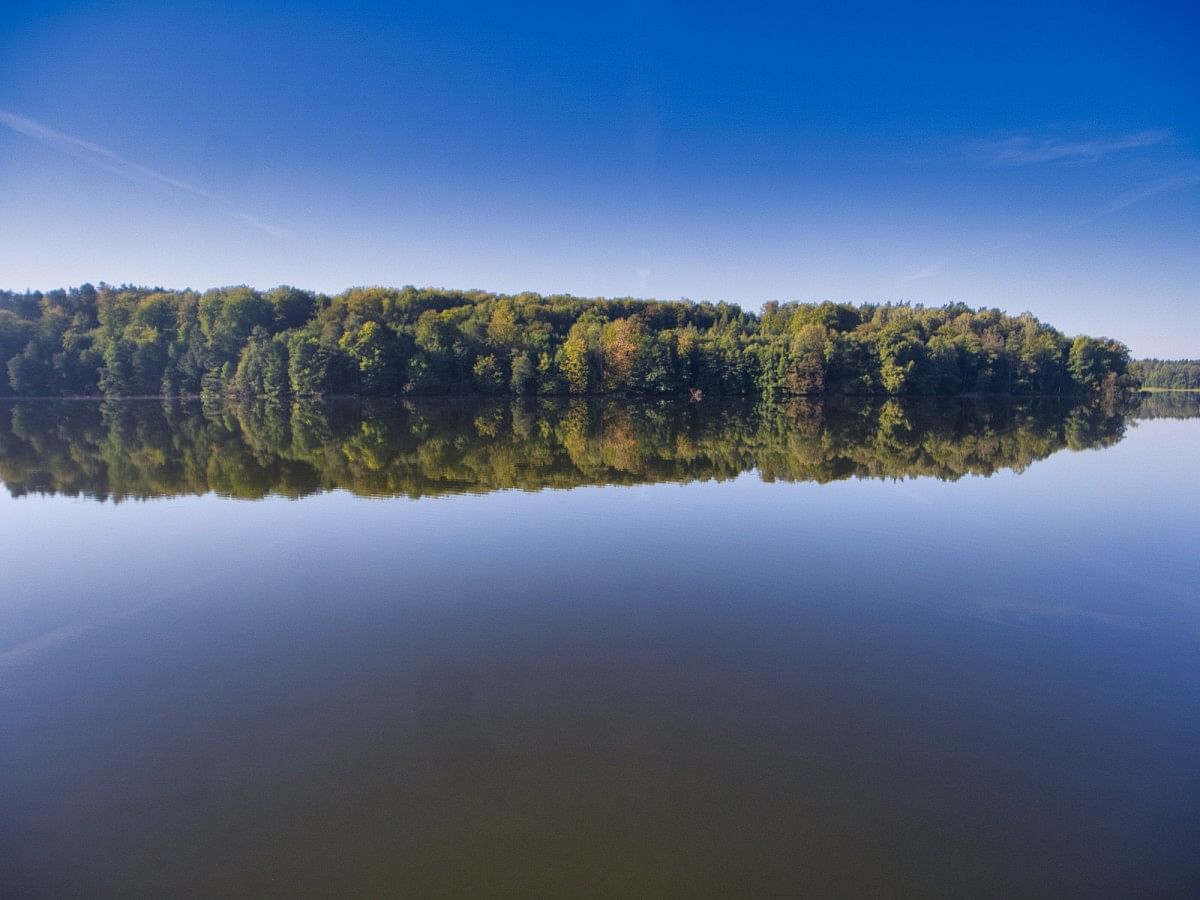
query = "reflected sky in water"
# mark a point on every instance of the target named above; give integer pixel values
(914, 687)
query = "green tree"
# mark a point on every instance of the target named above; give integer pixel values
(373, 352)
(262, 369)
(489, 375)
(308, 365)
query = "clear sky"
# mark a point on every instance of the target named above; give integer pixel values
(1042, 157)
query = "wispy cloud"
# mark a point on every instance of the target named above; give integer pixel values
(930, 271)
(126, 168)
(1024, 149)
(1177, 182)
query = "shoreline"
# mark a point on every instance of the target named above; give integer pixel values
(682, 397)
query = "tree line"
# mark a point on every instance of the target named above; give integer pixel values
(239, 342)
(254, 448)
(1169, 374)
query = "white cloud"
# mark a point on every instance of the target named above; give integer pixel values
(1177, 182)
(930, 271)
(1025, 149)
(127, 168)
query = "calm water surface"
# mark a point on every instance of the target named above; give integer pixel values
(546, 649)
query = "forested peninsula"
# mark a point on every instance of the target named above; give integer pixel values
(239, 342)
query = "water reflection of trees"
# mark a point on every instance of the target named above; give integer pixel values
(1169, 405)
(134, 449)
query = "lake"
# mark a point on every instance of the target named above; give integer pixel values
(600, 649)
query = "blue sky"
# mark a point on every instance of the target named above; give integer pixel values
(1041, 157)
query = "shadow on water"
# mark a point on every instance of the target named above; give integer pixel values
(143, 449)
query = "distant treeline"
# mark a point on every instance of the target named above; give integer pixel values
(1173, 374)
(120, 450)
(127, 341)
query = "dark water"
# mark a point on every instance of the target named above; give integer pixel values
(795, 651)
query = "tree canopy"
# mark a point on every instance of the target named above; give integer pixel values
(132, 341)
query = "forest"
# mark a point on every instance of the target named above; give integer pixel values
(239, 342)
(1168, 374)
